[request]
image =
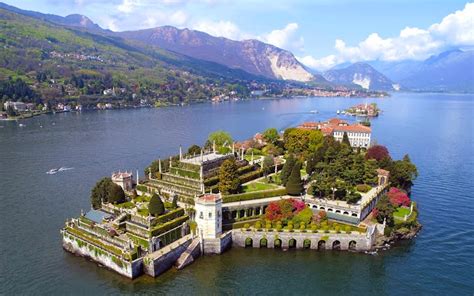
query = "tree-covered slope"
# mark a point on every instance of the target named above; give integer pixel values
(63, 62)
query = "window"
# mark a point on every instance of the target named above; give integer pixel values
(210, 215)
(201, 216)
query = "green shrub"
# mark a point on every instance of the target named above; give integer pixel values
(348, 229)
(268, 226)
(246, 225)
(258, 225)
(363, 188)
(279, 227)
(254, 195)
(290, 227)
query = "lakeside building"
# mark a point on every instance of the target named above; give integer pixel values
(359, 135)
(17, 106)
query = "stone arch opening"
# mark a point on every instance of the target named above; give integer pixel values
(338, 211)
(292, 243)
(248, 242)
(322, 208)
(346, 213)
(263, 243)
(354, 215)
(336, 245)
(321, 245)
(330, 210)
(249, 212)
(241, 213)
(257, 211)
(277, 244)
(352, 245)
(314, 206)
(307, 244)
(234, 214)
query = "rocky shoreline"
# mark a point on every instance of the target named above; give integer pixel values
(384, 242)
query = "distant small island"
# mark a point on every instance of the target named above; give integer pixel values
(307, 188)
(364, 110)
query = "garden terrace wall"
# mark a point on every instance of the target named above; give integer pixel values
(363, 242)
(254, 195)
(194, 183)
(183, 173)
(81, 247)
(168, 225)
(168, 216)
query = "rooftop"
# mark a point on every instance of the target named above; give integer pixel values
(97, 216)
(210, 197)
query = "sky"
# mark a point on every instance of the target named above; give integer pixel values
(320, 33)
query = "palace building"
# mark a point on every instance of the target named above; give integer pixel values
(358, 134)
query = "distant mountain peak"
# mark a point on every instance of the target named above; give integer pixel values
(362, 75)
(252, 56)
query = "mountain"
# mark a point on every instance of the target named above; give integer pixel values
(451, 70)
(69, 63)
(73, 20)
(252, 56)
(362, 75)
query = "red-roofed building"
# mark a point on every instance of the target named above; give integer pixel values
(359, 135)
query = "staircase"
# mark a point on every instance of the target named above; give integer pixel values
(188, 256)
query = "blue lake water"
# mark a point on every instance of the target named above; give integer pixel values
(436, 130)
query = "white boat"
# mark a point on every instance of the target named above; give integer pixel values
(52, 171)
(338, 111)
(21, 125)
(313, 111)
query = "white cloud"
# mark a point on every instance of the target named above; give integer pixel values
(128, 6)
(159, 18)
(285, 38)
(225, 29)
(456, 29)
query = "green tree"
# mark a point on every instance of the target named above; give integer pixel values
(229, 182)
(403, 173)
(219, 137)
(302, 142)
(268, 164)
(287, 168)
(194, 149)
(101, 192)
(370, 171)
(156, 206)
(294, 186)
(385, 211)
(271, 135)
(116, 194)
(345, 140)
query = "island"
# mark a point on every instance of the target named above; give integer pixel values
(316, 186)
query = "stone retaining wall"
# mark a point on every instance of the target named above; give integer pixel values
(326, 241)
(85, 249)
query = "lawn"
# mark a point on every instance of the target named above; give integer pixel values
(401, 212)
(258, 186)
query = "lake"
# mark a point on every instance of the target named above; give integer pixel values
(436, 130)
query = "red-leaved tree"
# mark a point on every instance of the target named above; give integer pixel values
(398, 197)
(377, 152)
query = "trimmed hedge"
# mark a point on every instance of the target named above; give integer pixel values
(168, 225)
(168, 216)
(254, 195)
(184, 173)
(250, 176)
(142, 188)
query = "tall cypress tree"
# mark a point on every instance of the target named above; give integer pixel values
(287, 168)
(345, 139)
(156, 206)
(294, 186)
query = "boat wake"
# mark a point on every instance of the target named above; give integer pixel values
(55, 171)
